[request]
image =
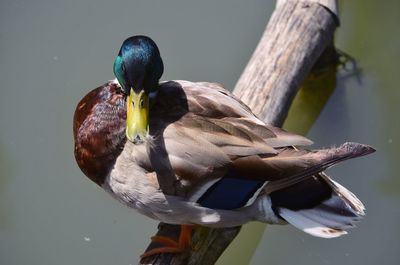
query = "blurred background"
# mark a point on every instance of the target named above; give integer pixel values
(53, 52)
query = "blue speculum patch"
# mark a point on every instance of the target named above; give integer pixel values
(231, 192)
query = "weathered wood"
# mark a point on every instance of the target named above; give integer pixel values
(295, 37)
(208, 246)
(330, 5)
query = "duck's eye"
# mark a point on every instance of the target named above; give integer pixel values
(141, 103)
(123, 67)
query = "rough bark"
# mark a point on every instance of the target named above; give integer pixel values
(295, 37)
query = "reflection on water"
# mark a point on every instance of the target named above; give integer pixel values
(53, 52)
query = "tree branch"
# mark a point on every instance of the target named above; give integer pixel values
(295, 37)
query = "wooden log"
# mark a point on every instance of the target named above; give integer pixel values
(296, 35)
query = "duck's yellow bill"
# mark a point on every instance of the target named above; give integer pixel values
(137, 116)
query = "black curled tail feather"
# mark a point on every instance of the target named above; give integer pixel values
(319, 206)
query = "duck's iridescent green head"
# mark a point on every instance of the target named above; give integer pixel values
(138, 68)
(138, 65)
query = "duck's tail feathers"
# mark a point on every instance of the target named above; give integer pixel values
(328, 218)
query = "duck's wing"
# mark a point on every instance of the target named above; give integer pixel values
(213, 109)
(212, 141)
(202, 128)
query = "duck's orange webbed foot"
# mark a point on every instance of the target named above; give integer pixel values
(170, 245)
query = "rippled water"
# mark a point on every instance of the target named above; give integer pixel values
(54, 52)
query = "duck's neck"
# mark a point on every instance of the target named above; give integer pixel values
(99, 131)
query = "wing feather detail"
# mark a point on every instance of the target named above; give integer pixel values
(205, 131)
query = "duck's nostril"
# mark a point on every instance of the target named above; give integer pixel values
(137, 139)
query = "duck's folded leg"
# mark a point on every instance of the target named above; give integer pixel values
(171, 245)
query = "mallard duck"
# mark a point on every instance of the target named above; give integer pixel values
(193, 154)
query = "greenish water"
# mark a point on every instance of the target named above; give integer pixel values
(54, 52)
